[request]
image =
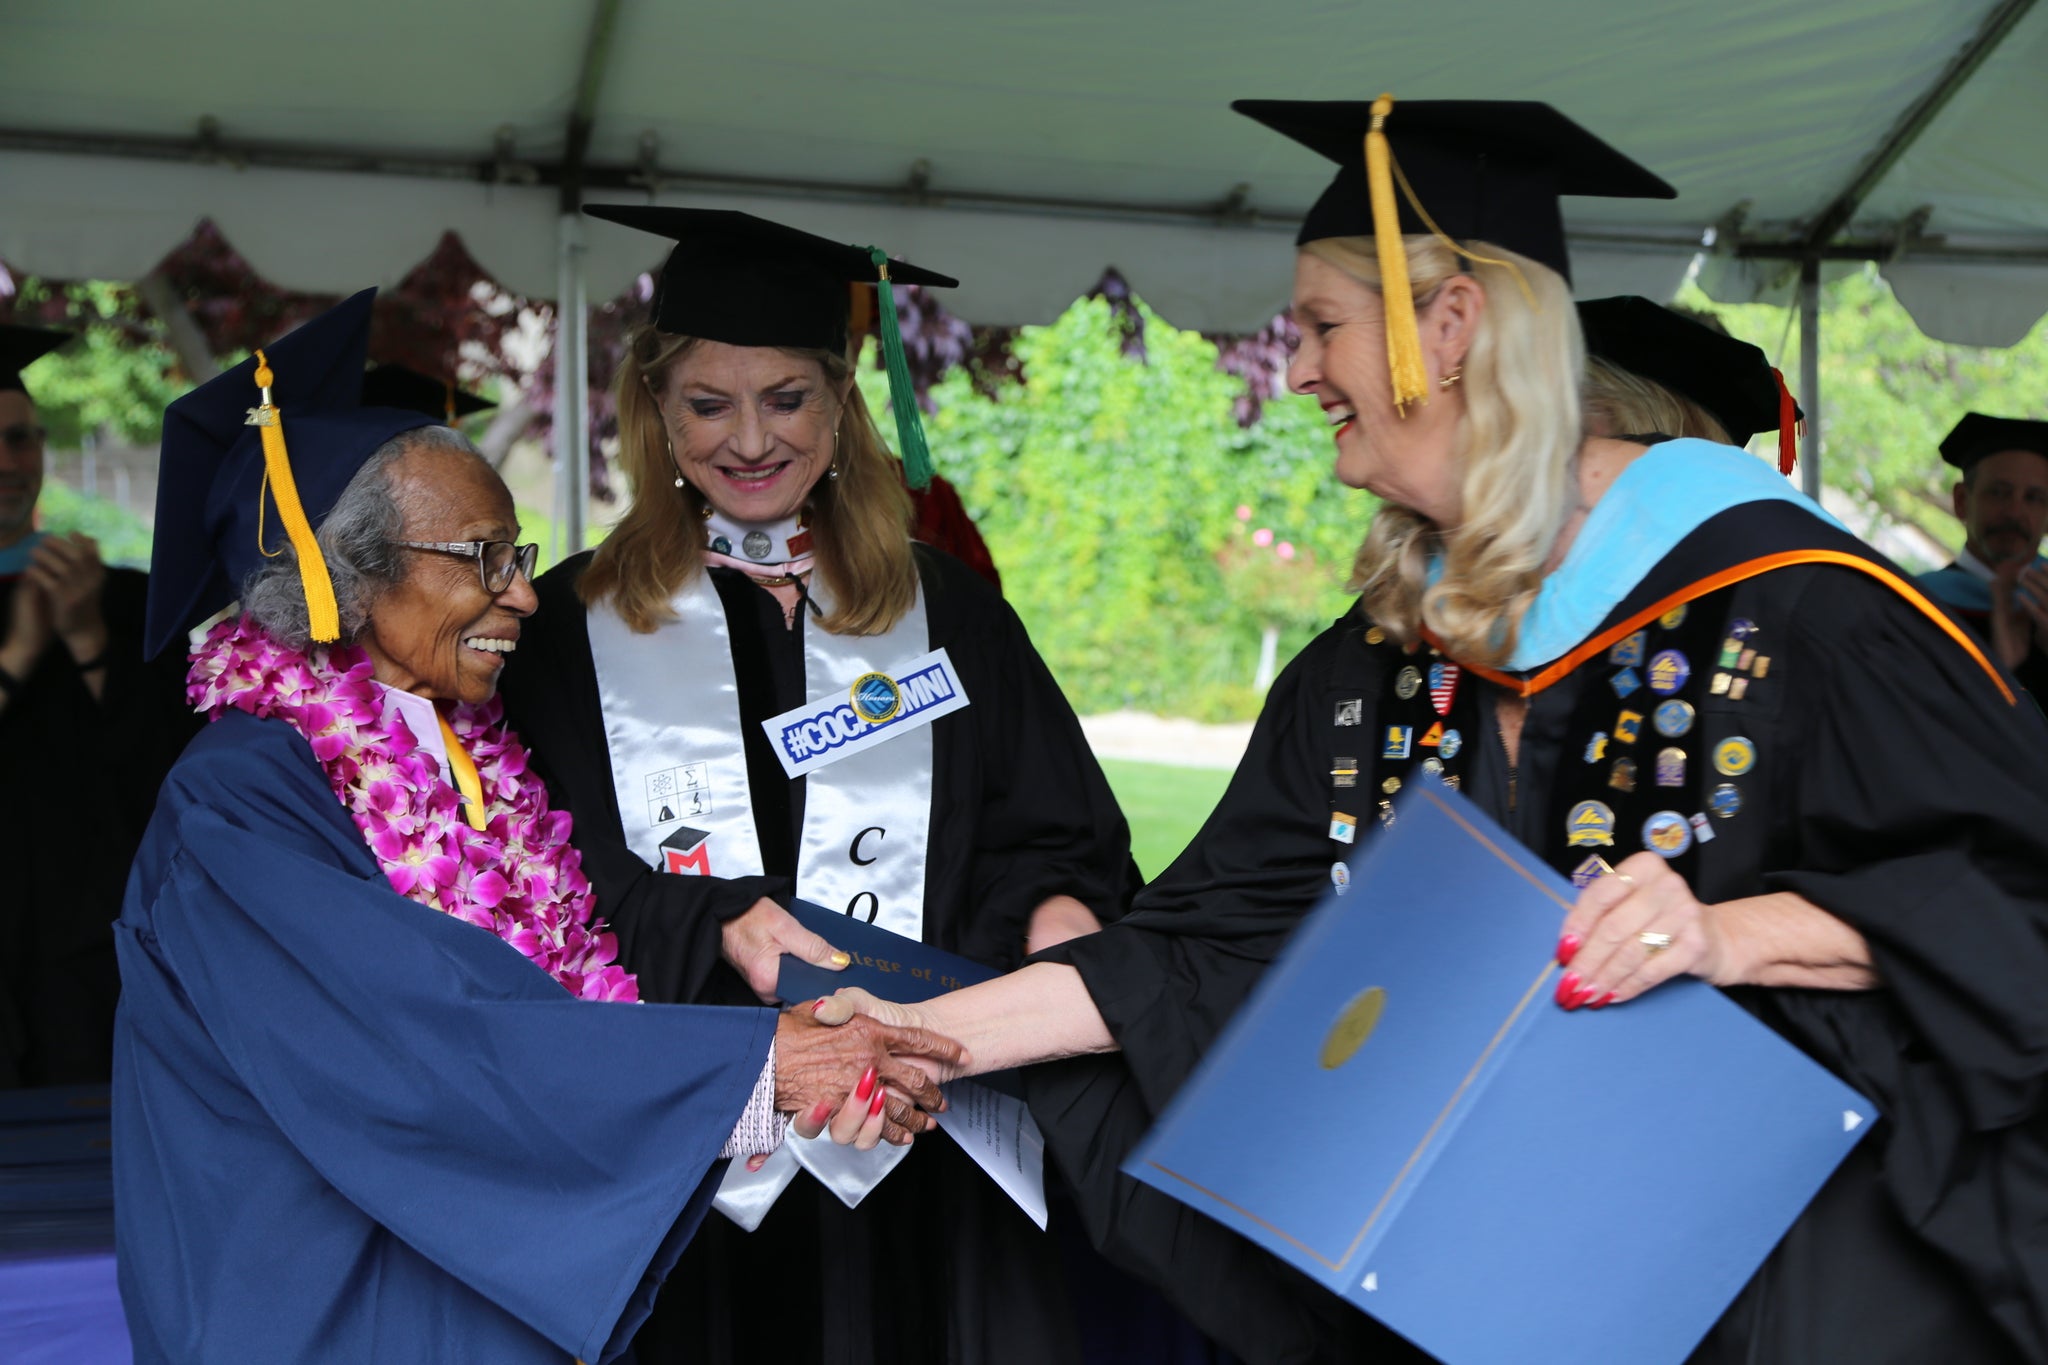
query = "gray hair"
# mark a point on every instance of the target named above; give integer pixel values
(359, 540)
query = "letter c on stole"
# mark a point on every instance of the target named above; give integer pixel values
(853, 849)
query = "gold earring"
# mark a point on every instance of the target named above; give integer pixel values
(1453, 377)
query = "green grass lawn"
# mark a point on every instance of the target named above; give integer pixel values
(1165, 806)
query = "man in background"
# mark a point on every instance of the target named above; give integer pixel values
(87, 731)
(1998, 583)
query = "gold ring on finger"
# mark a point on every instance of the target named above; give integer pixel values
(1655, 942)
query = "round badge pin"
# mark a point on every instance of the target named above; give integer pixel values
(1391, 785)
(1734, 756)
(1667, 834)
(1340, 877)
(721, 545)
(1447, 748)
(1407, 682)
(1668, 672)
(1673, 619)
(1741, 628)
(1673, 718)
(1375, 636)
(1590, 823)
(1725, 800)
(756, 545)
(1433, 765)
(876, 697)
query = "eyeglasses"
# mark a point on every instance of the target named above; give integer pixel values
(22, 437)
(496, 560)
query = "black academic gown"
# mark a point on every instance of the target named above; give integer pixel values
(1890, 782)
(2032, 671)
(937, 1264)
(78, 779)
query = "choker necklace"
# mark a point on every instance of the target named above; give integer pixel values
(775, 545)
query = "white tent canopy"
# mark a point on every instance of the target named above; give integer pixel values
(1020, 147)
(1054, 138)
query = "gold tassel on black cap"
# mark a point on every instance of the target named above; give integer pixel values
(1404, 341)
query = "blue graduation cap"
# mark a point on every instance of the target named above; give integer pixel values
(256, 459)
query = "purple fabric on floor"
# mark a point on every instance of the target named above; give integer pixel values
(62, 1309)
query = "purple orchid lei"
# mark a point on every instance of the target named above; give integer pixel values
(518, 877)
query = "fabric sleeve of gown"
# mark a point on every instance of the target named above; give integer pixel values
(1170, 975)
(1047, 822)
(541, 1149)
(142, 704)
(1167, 978)
(668, 925)
(1921, 820)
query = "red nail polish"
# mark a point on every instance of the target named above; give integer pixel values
(1604, 1001)
(820, 1112)
(876, 1107)
(1581, 996)
(1568, 948)
(817, 1004)
(1567, 987)
(866, 1086)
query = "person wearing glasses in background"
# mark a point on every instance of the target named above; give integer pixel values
(87, 731)
(1998, 582)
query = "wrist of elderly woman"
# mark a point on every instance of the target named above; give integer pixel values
(761, 1127)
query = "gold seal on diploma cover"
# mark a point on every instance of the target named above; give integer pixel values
(1353, 1027)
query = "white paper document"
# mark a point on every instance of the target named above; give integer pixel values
(1002, 1137)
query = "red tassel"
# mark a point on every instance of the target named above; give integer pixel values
(1788, 426)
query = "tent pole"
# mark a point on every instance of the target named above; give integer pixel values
(1809, 375)
(572, 397)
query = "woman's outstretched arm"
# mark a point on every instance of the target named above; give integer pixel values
(1038, 1013)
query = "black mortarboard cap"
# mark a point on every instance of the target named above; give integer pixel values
(1484, 170)
(398, 386)
(743, 280)
(212, 491)
(1733, 380)
(1977, 436)
(21, 347)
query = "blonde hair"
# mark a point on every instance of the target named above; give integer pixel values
(859, 522)
(1516, 454)
(1621, 403)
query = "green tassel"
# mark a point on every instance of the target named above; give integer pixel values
(917, 457)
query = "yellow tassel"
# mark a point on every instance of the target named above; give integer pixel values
(466, 780)
(322, 614)
(1404, 341)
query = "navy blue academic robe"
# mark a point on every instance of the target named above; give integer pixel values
(348, 1127)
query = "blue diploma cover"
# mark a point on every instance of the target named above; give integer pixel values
(887, 966)
(1494, 1178)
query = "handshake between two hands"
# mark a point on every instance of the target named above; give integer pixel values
(861, 1068)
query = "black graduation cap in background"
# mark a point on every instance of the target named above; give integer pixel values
(230, 494)
(1484, 170)
(21, 347)
(747, 281)
(399, 386)
(1733, 380)
(1977, 436)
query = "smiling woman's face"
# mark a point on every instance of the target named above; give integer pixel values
(753, 428)
(1341, 362)
(437, 632)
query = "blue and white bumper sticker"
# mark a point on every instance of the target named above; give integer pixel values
(872, 710)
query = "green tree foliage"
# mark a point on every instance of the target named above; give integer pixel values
(124, 538)
(1888, 394)
(104, 382)
(1108, 488)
